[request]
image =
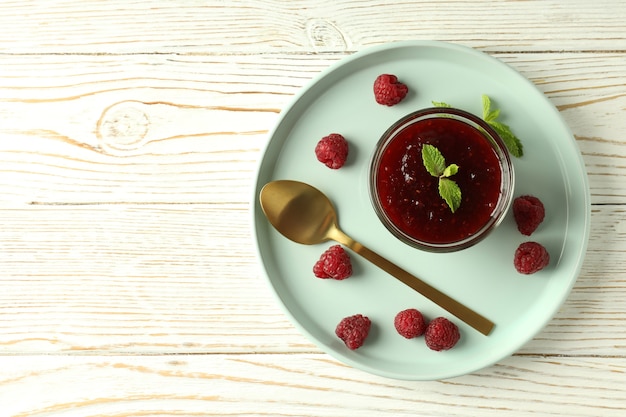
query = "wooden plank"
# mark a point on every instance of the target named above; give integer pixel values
(302, 385)
(154, 278)
(116, 278)
(160, 128)
(120, 26)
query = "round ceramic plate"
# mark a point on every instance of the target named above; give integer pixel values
(340, 100)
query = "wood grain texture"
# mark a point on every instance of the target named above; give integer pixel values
(156, 279)
(130, 132)
(309, 384)
(120, 26)
(190, 129)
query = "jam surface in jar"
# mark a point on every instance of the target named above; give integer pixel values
(409, 195)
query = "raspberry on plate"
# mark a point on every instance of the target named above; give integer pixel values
(332, 150)
(333, 263)
(353, 330)
(410, 323)
(441, 334)
(531, 257)
(388, 90)
(529, 212)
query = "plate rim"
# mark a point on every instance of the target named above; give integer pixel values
(256, 212)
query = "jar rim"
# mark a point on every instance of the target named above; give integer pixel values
(507, 180)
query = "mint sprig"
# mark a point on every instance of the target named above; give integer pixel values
(435, 164)
(512, 142)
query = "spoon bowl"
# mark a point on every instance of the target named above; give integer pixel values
(303, 214)
(298, 211)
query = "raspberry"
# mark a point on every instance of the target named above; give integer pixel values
(388, 90)
(334, 263)
(441, 334)
(410, 323)
(332, 150)
(353, 330)
(531, 257)
(529, 212)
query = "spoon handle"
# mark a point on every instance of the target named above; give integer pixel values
(464, 313)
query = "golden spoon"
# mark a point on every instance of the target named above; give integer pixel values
(302, 213)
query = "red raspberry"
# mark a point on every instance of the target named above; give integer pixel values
(410, 323)
(334, 263)
(531, 257)
(388, 90)
(529, 212)
(332, 150)
(441, 334)
(353, 330)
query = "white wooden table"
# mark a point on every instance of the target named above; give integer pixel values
(129, 136)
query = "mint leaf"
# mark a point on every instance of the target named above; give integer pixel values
(512, 142)
(433, 160)
(486, 106)
(440, 104)
(450, 170)
(492, 115)
(450, 192)
(488, 114)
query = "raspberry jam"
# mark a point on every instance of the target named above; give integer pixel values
(406, 195)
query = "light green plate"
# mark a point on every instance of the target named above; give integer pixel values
(483, 277)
